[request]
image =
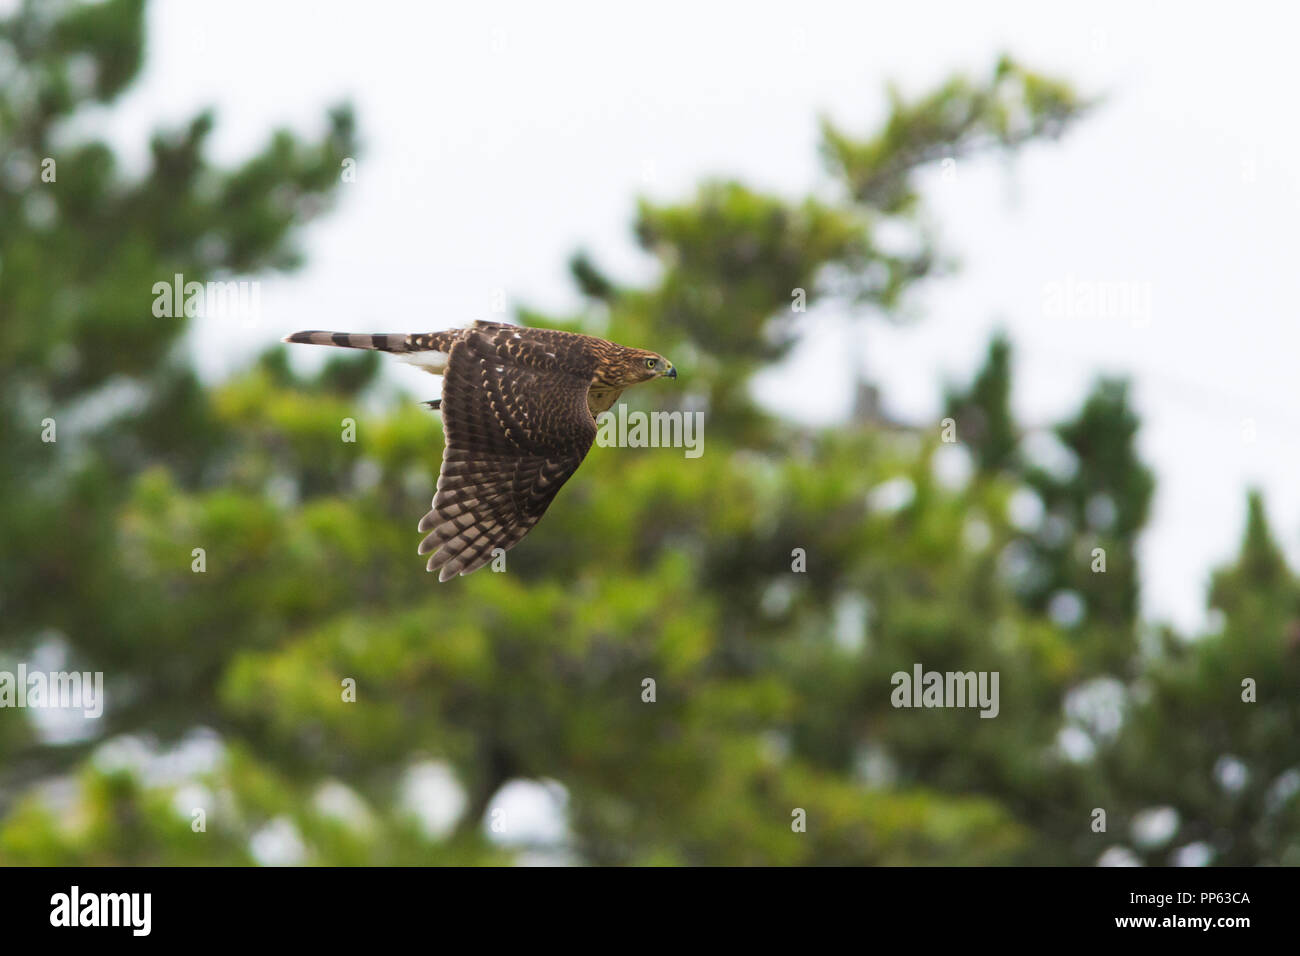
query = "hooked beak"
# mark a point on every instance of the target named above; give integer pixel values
(671, 373)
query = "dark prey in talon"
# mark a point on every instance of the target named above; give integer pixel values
(519, 411)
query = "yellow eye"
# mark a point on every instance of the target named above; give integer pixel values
(649, 363)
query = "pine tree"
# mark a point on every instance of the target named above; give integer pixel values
(1213, 736)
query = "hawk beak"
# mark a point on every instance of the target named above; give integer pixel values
(671, 373)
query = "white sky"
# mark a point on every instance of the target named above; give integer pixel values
(498, 139)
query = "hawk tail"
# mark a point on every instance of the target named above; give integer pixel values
(389, 342)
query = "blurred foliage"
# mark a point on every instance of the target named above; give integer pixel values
(773, 684)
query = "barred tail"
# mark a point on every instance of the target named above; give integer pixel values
(393, 342)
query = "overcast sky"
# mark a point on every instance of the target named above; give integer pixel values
(497, 139)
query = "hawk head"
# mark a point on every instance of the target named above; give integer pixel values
(632, 366)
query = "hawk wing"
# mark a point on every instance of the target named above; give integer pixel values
(515, 417)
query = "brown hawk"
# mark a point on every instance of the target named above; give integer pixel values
(519, 411)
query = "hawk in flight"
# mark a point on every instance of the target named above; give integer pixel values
(519, 411)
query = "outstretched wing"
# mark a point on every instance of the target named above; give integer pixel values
(515, 417)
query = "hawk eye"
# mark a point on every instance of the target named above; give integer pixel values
(649, 363)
